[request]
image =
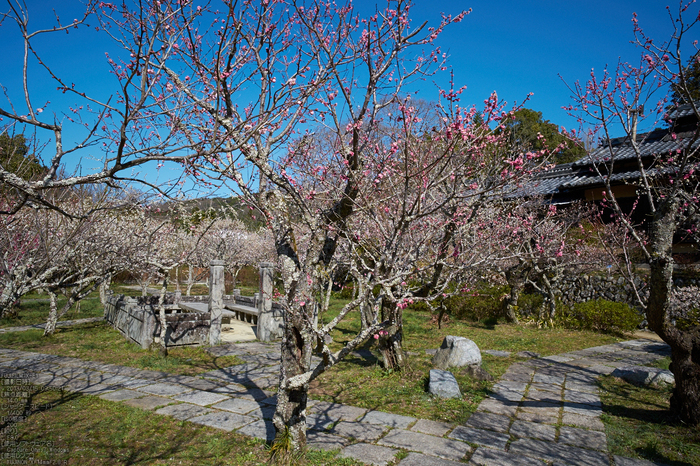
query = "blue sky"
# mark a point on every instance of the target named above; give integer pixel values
(511, 47)
(518, 47)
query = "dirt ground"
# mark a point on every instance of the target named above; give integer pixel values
(646, 334)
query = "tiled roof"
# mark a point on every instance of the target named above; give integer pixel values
(650, 144)
(559, 180)
(682, 111)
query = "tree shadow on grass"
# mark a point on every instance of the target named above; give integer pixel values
(23, 402)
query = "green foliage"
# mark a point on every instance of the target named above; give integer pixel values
(529, 304)
(529, 132)
(282, 452)
(483, 303)
(15, 157)
(692, 81)
(601, 315)
(690, 320)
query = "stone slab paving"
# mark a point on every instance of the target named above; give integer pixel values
(223, 420)
(489, 457)
(386, 419)
(418, 459)
(489, 421)
(150, 402)
(359, 431)
(183, 411)
(435, 428)
(542, 411)
(164, 389)
(259, 428)
(201, 397)
(427, 444)
(370, 454)
(62, 323)
(325, 441)
(486, 438)
(524, 429)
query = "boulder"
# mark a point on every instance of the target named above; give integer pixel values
(457, 352)
(642, 375)
(443, 384)
(477, 373)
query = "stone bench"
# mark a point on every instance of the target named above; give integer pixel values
(241, 312)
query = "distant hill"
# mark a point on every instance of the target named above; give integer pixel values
(220, 207)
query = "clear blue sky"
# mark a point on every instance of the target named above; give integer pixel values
(518, 47)
(511, 47)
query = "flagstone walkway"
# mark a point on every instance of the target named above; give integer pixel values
(542, 411)
(62, 323)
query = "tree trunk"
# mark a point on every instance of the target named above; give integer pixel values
(367, 317)
(104, 287)
(685, 345)
(685, 401)
(290, 415)
(163, 349)
(441, 313)
(516, 279)
(234, 276)
(53, 315)
(391, 344)
(549, 306)
(9, 299)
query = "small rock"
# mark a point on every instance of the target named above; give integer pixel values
(443, 384)
(477, 372)
(642, 375)
(457, 352)
(527, 354)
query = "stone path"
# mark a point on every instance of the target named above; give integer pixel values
(542, 411)
(62, 323)
(234, 331)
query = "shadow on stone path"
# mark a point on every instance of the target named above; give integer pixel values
(62, 323)
(542, 411)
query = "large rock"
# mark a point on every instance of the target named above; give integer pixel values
(443, 384)
(642, 375)
(457, 352)
(476, 372)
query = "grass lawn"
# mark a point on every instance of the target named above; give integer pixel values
(66, 428)
(362, 381)
(34, 309)
(635, 418)
(355, 381)
(638, 425)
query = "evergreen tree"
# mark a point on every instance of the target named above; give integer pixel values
(527, 131)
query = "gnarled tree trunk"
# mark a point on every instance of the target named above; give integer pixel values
(685, 345)
(290, 416)
(391, 344)
(53, 314)
(516, 277)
